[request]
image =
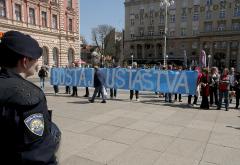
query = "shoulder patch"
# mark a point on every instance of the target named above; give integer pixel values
(35, 123)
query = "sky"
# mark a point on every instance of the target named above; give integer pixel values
(99, 12)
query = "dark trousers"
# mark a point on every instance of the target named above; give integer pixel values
(132, 93)
(179, 97)
(113, 92)
(87, 92)
(168, 97)
(213, 94)
(190, 99)
(56, 89)
(74, 88)
(68, 89)
(204, 103)
(237, 97)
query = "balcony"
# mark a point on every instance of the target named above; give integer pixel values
(216, 32)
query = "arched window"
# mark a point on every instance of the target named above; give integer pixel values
(45, 56)
(70, 56)
(55, 56)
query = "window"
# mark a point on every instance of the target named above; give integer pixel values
(141, 31)
(132, 22)
(70, 25)
(44, 19)
(161, 19)
(195, 32)
(132, 35)
(209, 2)
(69, 3)
(2, 8)
(150, 30)
(195, 16)
(222, 13)
(183, 31)
(70, 56)
(236, 26)
(54, 21)
(208, 14)
(184, 15)
(32, 16)
(161, 32)
(55, 56)
(172, 18)
(237, 10)
(221, 26)
(18, 12)
(172, 33)
(208, 26)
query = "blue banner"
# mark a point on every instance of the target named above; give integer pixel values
(183, 82)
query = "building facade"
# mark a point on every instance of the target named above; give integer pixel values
(53, 23)
(193, 25)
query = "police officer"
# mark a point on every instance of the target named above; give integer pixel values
(28, 136)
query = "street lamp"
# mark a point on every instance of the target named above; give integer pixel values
(132, 59)
(209, 58)
(166, 4)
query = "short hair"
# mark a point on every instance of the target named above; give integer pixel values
(9, 58)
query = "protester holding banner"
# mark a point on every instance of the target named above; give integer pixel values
(136, 91)
(74, 88)
(224, 86)
(168, 96)
(99, 84)
(232, 83)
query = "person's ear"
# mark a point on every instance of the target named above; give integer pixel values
(23, 63)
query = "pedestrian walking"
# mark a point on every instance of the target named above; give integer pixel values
(99, 85)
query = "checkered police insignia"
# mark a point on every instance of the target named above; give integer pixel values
(35, 123)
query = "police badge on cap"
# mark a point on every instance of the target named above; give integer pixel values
(35, 123)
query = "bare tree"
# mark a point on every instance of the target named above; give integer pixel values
(84, 41)
(99, 36)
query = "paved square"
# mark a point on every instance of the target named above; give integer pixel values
(149, 132)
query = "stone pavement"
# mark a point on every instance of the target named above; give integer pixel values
(149, 132)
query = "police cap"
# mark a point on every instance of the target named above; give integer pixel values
(22, 44)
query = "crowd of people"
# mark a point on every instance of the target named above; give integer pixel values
(213, 87)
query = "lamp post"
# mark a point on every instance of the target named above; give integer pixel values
(209, 59)
(166, 4)
(132, 59)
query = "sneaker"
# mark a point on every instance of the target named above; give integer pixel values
(91, 101)
(137, 99)
(218, 108)
(86, 96)
(226, 109)
(104, 101)
(180, 100)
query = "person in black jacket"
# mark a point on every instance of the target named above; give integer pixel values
(28, 136)
(99, 82)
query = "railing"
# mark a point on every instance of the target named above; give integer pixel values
(220, 32)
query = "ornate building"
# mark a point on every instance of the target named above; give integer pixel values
(212, 25)
(53, 23)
